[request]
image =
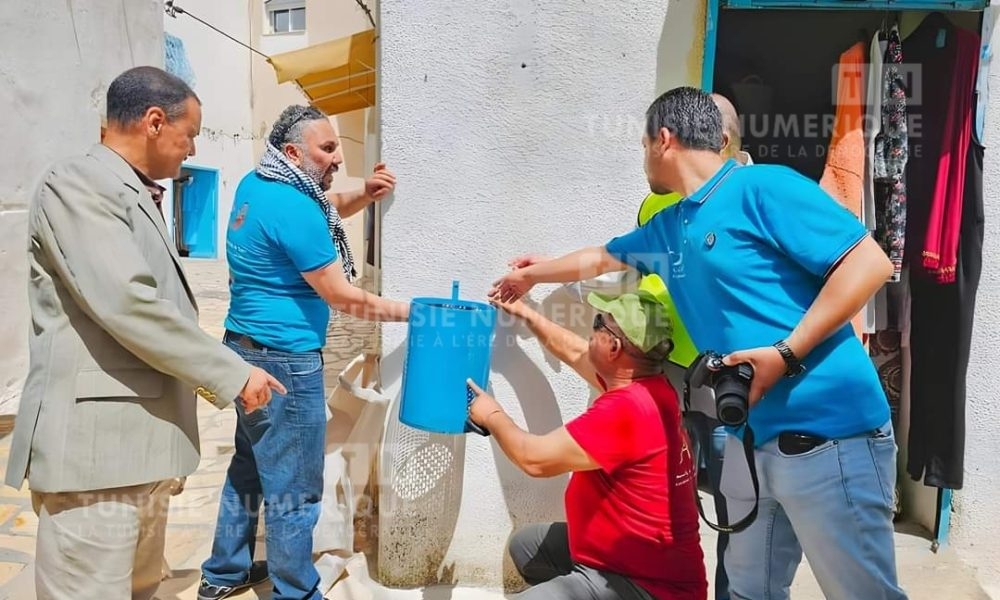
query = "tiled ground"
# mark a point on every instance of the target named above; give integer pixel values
(925, 575)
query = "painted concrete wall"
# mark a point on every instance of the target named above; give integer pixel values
(222, 81)
(53, 93)
(976, 520)
(513, 127)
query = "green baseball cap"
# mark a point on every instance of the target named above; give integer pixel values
(640, 316)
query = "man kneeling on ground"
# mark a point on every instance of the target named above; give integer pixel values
(632, 524)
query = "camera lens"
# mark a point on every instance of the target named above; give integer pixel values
(732, 410)
(732, 390)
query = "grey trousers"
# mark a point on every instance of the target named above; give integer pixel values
(541, 555)
(101, 544)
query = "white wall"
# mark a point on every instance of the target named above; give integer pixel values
(279, 43)
(976, 520)
(58, 59)
(222, 81)
(494, 159)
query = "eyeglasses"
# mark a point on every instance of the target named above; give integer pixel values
(601, 323)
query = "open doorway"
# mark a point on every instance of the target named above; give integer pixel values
(192, 212)
(781, 69)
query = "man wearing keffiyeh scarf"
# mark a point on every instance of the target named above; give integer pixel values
(276, 166)
(289, 262)
(291, 163)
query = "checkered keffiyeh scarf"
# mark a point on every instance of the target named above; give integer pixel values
(275, 165)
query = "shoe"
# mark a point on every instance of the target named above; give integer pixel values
(258, 575)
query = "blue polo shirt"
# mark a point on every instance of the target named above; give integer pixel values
(744, 258)
(275, 234)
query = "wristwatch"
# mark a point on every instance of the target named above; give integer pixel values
(792, 362)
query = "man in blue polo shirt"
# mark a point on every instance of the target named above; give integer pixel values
(764, 266)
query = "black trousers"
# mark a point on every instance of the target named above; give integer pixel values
(541, 555)
(940, 339)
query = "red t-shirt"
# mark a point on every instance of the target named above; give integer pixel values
(636, 515)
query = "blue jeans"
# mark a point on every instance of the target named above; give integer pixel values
(833, 502)
(709, 439)
(278, 461)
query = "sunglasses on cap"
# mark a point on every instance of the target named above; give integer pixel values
(602, 323)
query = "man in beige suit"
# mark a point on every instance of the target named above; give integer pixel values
(108, 411)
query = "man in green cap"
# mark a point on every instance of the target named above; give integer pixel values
(631, 529)
(708, 435)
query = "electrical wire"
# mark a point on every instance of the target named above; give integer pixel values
(173, 11)
(367, 10)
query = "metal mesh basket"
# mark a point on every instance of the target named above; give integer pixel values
(420, 491)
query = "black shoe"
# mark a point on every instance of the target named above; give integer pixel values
(258, 575)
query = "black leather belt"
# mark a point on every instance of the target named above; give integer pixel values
(245, 340)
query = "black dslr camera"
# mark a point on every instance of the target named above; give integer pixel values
(732, 390)
(731, 385)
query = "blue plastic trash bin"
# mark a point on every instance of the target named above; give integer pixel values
(448, 341)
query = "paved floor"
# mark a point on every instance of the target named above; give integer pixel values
(924, 574)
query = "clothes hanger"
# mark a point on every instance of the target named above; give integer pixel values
(937, 19)
(884, 27)
(935, 25)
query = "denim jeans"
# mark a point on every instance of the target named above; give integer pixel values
(709, 439)
(833, 502)
(278, 461)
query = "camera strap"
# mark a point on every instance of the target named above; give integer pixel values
(748, 451)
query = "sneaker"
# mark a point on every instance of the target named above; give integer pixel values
(258, 575)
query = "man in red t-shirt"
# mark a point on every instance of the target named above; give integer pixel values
(631, 530)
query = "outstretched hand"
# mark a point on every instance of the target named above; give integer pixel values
(511, 287)
(482, 405)
(515, 308)
(381, 183)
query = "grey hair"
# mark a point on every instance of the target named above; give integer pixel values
(690, 115)
(291, 123)
(137, 90)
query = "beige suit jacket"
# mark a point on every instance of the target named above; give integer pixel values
(116, 353)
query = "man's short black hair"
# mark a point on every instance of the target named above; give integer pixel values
(137, 90)
(690, 115)
(291, 122)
